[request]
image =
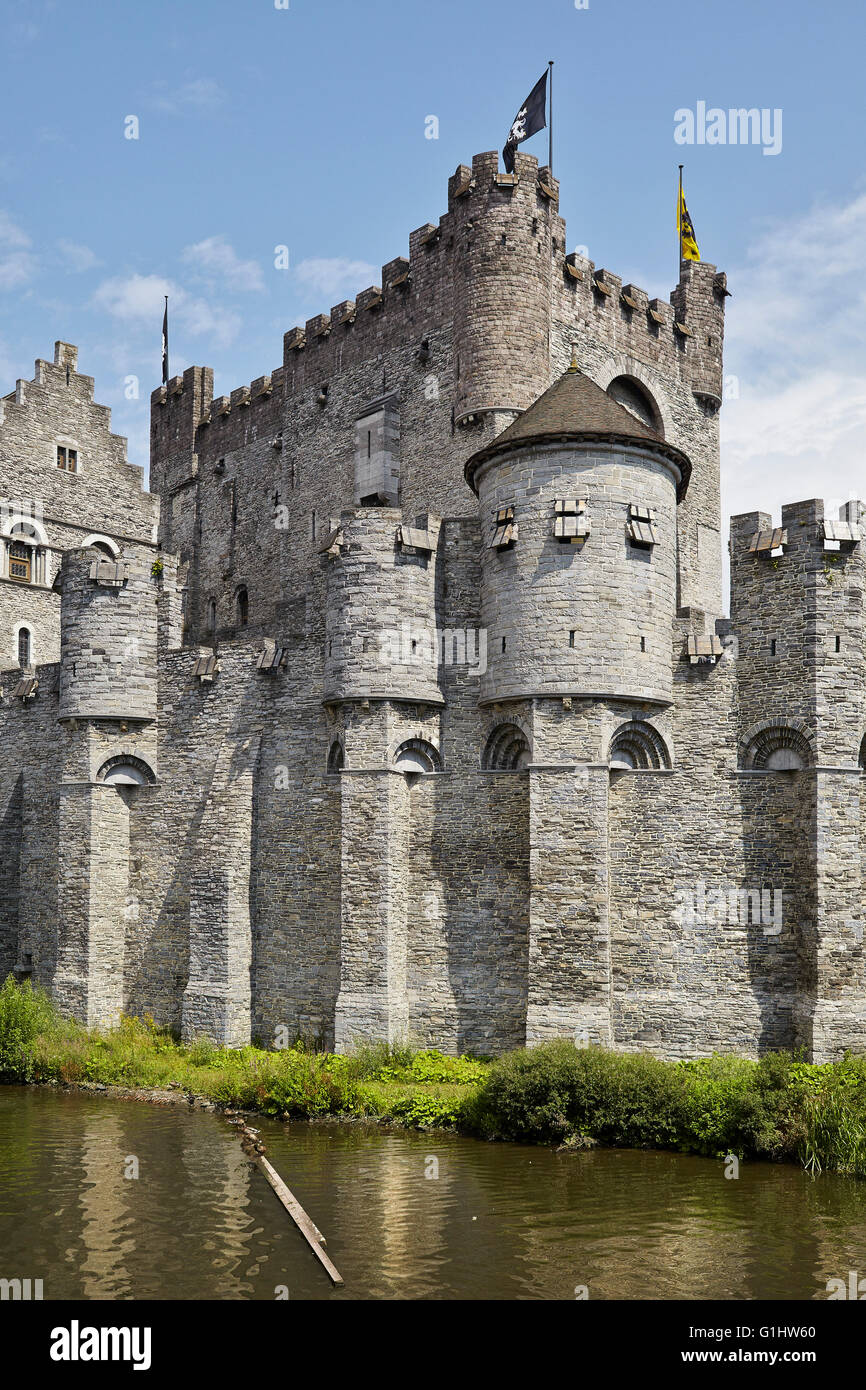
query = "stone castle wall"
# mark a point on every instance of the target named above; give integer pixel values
(559, 822)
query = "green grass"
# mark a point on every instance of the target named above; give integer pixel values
(780, 1108)
(415, 1087)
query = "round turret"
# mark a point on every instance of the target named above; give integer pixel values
(381, 623)
(502, 277)
(579, 568)
(108, 625)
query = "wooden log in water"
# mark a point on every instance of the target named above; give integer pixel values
(309, 1230)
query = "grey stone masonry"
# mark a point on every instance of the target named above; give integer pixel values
(404, 705)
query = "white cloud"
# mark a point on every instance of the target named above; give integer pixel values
(201, 319)
(134, 297)
(139, 300)
(216, 258)
(336, 275)
(10, 233)
(15, 269)
(77, 258)
(795, 344)
(196, 97)
(17, 263)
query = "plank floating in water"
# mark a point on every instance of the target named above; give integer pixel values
(309, 1230)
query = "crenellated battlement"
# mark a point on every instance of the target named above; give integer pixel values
(492, 229)
(687, 332)
(462, 334)
(802, 532)
(258, 392)
(797, 613)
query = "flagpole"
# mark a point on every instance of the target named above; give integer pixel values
(550, 117)
(680, 228)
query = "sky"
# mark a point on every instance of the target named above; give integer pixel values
(305, 124)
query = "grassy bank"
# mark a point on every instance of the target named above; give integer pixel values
(779, 1108)
(415, 1087)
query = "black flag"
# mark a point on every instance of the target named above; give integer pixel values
(530, 118)
(165, 344)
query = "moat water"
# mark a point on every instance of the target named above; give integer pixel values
(498, 1222)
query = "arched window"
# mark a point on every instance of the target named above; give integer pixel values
(211, 615)
(24, 551)
(243, 607)
(416, 755)
(336, 757)
(637, 745)
(20, 565)
(637, 401)
(103, 543)
(24, 647)
(125, 770)
(506, 750)
(125, 775)
(776, 748)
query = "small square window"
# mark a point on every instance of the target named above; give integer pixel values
(415, 540)
(506, 530)
(206, 667)
(571, 523)
(704, 649)
(641, 526)
(67, 458)
(769, 542)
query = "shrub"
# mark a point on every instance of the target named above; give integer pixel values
(434, 1066)
(379, 1061)
(546, 1093)
(778, 1108)
(423, 1111)
(202, 1052)
(732, 1105)
(24, 1014)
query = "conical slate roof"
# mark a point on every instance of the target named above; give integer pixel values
(574, 408)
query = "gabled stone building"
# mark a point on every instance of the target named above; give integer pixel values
(404, 703)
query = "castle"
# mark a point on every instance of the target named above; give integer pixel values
(404, 705)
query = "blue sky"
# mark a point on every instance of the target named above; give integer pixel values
(305, 127)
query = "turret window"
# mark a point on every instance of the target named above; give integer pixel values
(24, 647)
(336, 757)
(243, 607)
(126, 770)
(417, 756)
(641, 526)
(633, 396)
(505, 533)
(775, 748)
(571, 523)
